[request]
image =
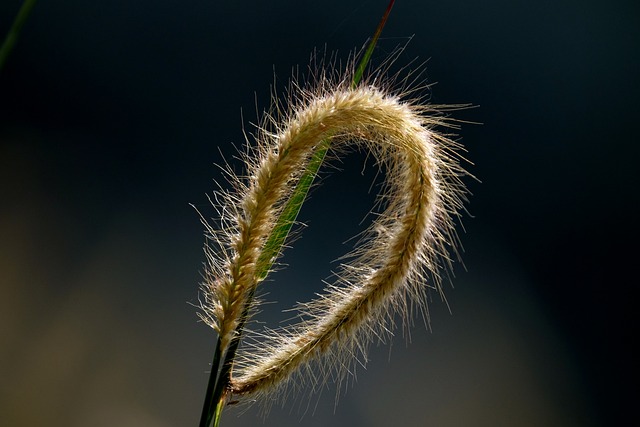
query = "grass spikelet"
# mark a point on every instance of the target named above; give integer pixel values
(400, 258)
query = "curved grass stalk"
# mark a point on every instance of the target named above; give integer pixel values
(402, 253)
(392, 271)
(403, 247)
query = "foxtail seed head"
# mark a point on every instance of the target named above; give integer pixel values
(401, 258)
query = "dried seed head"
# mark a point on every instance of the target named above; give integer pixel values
(392, 270)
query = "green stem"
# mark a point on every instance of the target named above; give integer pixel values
(276, 239)
(214, 403)
(14, 31)
(221, 368)
(218, 412)
(210, 400)
(290, 212)
(357, 76)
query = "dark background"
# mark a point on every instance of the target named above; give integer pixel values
(113, 113)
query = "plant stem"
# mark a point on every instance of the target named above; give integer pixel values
(14, 31)
(290, 212)
(357, 76)
(216, 396)
(210, 398)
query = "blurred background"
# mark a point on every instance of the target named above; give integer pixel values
(113, 114)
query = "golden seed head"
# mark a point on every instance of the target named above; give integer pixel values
(393, 268)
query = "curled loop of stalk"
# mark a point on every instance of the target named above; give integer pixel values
(391, 271)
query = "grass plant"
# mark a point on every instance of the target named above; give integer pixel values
(398, 262)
